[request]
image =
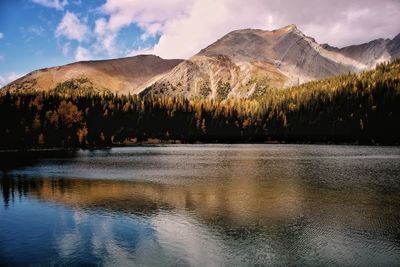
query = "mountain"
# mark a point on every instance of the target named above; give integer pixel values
(371, 53)
(244, 63)
(117, 75)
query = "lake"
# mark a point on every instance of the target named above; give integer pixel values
(202, 205)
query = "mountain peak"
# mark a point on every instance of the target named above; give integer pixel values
(288, 28)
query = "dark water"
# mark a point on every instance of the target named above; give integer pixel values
(203, 205)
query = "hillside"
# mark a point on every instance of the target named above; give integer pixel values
(116, 75)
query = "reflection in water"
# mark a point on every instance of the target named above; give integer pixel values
(205, 206)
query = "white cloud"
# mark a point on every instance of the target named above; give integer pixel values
(82, 54)
(76, 2)
(57, 4)
(1, 35)
(144, 12)
(183, 37)
(151, 30)
(101, 27)
(65, 49)
(105, 37)
(7, 78)
(29, 33)
(37, 30)
(149, 15)
(72, 27)
(187, 26)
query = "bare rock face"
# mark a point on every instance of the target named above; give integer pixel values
(251, 61)
(217, 77)
(369, 54)
(121, 75)
(394, 47)
(374, 52)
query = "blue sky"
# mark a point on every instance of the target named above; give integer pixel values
(29, 40)
(36, 34)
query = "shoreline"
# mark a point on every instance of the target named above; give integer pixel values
(178, 142)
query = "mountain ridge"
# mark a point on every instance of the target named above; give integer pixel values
(261, 59)
(243, 63)
(119, 75)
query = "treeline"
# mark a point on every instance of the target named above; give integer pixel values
(353, 108)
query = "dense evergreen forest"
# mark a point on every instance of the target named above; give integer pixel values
(353, 108)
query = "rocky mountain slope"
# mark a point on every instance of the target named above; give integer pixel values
(371, 53)
(247, 62)
(116, 75)
(243, 63)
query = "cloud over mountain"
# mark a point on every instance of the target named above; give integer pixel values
(72, 27)
(185, 27)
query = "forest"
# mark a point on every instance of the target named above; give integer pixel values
(352, 108)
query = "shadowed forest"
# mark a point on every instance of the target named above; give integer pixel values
(353, 108)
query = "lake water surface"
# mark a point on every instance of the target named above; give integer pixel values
(203, 205)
